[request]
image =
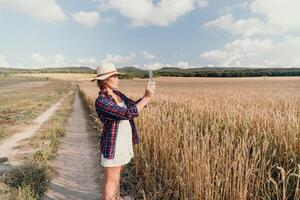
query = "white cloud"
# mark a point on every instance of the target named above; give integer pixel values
(256, 53)
(42, 61)
(3, 61)
(284, 14)
(246, 27)
(39, 60)
(118, 58)
(89, 19)
(214, 55)
(46, 10)
(232, 8)
(153, 66)
(158, 65)
(202, 3)
(271, 17)
(148, 55)
(148, 12)
(183, 65)
(87, 61)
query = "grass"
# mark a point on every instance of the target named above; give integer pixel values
(215, 139)
(23, 99)
(30, 181)
(60, 76)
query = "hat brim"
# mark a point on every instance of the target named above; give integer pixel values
(106, 76)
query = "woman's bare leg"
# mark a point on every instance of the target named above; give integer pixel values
(111, 189)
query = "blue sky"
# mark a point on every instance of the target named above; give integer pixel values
(150, 34)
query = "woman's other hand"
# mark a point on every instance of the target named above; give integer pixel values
(149, 92)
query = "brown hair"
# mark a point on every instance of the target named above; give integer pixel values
(102, 85)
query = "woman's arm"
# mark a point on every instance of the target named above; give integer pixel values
(135, 102)
(142, 103)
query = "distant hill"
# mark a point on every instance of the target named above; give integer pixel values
(134, 72)
(49, 70)
(227, 72)
(131, 71)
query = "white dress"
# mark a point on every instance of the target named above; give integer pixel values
(123, 148)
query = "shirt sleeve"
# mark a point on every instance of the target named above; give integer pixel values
(112, 111)
(135, 102)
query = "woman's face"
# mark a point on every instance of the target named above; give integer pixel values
(113, 81)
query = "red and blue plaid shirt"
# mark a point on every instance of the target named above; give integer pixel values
(110, 115)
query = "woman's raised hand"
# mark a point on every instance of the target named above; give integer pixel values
(149, 92)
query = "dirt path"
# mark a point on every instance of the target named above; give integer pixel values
(77, 162)
(8, 146)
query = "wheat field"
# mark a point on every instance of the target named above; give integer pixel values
(215, 138)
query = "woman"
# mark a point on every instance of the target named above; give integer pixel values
(116, 111)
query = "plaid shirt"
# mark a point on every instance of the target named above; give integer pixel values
(110, 115)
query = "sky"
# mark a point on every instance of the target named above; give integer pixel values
(149, 33)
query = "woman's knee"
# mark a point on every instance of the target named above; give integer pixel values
(112, 174)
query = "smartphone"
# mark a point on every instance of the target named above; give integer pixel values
(151, 75)
(151, 80)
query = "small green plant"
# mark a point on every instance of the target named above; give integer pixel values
(33, 177)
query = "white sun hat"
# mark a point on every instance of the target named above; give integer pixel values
(105, 70)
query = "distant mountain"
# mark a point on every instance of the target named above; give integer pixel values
(227, 72)
(71, 69)
(49, 70)
(131, 71)
(169, 68)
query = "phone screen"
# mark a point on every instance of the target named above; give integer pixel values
(150, 75)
